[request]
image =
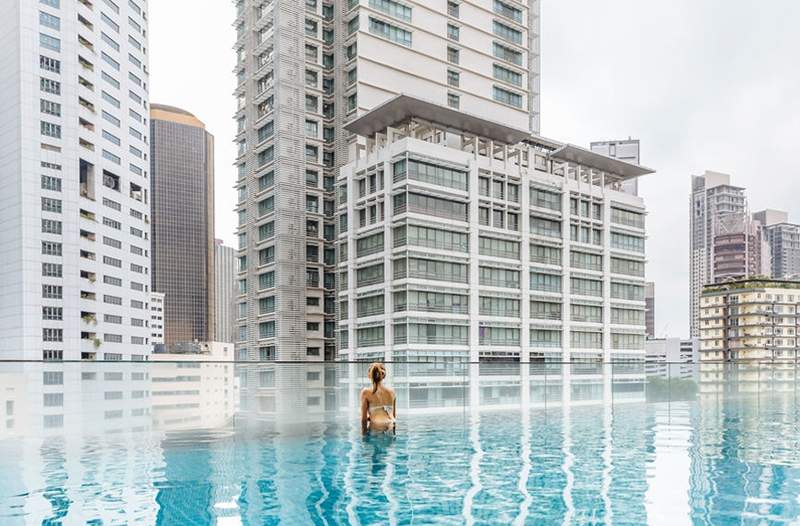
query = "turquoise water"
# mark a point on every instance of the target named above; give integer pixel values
(715, 460)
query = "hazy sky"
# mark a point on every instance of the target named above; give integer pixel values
(704, 84)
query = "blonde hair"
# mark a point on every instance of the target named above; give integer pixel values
(376, 374)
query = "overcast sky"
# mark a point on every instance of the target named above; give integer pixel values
(704, 84)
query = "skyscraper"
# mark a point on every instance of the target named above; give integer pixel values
(783, 239)
(303, 70)
(739, 248)
(712, 198)
(224, 282)
(463, 238)
(74, 190)
(625, 150)
(182, 190)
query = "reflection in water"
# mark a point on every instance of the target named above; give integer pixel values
(164, 443)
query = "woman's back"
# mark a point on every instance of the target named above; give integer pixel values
(378, 403)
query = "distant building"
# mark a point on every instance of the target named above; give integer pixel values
(224, 283)
(783, 239)
(157, 321)
(712, 198)
(624, 150)
(182, 190)
(672, 358)
(739, 249)
(650, 309)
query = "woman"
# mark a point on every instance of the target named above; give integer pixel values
(378, 403)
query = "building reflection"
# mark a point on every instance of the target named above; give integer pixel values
(168, 442)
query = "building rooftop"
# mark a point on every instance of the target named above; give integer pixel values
(588, 158)
(403, 107)
(164, 112)
(752, 283)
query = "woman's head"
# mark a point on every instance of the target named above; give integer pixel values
(376, 373)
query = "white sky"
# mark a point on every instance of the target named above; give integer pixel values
(704, 84)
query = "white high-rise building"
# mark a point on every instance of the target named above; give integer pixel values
(463, 238)
(712, 198)
(783, 239)
(224, 283)
(74, 205)
(306, 68)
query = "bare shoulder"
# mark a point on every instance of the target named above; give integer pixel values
(391, 391)
(364, 392)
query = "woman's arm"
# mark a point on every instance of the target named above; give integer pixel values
(364, 412)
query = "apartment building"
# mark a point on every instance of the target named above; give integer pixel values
(157, 321)
(783, 239)
(462, 238)
(182, 190)
(650, 305)
(739, 249)
(224, 284)
(303, 70)
(743, 323)
(74, 185)
(712, 198)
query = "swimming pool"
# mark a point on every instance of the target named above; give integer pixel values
(720, 458)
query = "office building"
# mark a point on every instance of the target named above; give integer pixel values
(224, 283)
(650, 309)
(712, 198)
(182, 190)
(157, 321)
(303, 70)
(74, 190)
(739, 249)
(783, 239)
(625, 150)
(672, 358)
(461, 238)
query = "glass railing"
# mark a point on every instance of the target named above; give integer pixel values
(193, 439)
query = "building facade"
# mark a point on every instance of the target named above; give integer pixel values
(157, 321)
(783, 239)
(744, 323)
(303, 70)
(74, 190)
(739, 249)
(650, 306)
(624, 150)
(182, 190)
(673, 358)
(460, 238)
(224, 284)
(712, 198)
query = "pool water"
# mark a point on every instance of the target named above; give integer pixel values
(715, 461)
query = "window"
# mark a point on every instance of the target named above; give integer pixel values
(110, 41)
(51, 183)
(53, 292)
(627, 242)
(48, 129)
(506, 53)
(110, 61)
(50, 86)
(506, 75)
(545, 282)
(266, 329)
(50, 226)
(507, 97)
(48, 42)
(507, 32)
(498, 277)
(51, 205)
(52, 270)
(370, 337)
(508, 11)
(545, 227)
(453, 32)
(51, 3)
(389, 31)
(545, 199)
(501, 248)
(453, 100)
(586, 287)
(453, 78)
(49, 64)
(49, 107)
(452, 55)
(392, 8)
(452, 8)
(109, 79)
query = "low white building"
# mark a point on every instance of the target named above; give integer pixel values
(463, 238)
(673, 358)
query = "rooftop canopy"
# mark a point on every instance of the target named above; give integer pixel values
(402, 108)
(582, 156)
